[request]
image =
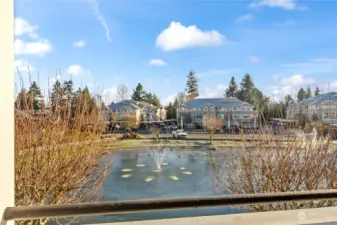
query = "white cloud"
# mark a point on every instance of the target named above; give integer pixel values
(101, 19)
(215, 92)
(22, 65)
(77, 70)
(40, 47)
(297, 80)
(110, 95)
(79, 44)
(254, 59)
(178, 36)
(286, 4)
(169, 99)
(333, 85)
(246, 17)
(22, 26)
(157, 62)
(290, 85)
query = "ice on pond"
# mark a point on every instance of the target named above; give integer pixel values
(164, 164)
(148, 179)
(156, 171)
(127, 170)
(182, 168)
(140, 165)
(186, 172)
(126, 175)
(174, 177)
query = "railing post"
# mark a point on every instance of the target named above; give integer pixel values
(6, 106)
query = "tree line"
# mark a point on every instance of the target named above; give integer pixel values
(62, 97)
(246, 91)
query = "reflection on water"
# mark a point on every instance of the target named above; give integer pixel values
(134, 176)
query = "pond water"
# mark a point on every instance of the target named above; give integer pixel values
(138, 174)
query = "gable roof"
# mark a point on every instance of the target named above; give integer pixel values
(216, 102)
(315, 100)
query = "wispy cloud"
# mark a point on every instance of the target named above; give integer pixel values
(254, 59)
(285, 4)
(101, 19)
(246, 17)
(79, 44)
(157, 62)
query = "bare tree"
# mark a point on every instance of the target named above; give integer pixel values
(211, 123)
(268, 164)
(58, 157)
(122, 92)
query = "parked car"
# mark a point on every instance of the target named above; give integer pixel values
(179, 134)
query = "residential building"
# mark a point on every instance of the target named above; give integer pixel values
(139, 110)
(230, 111)
(322, 107)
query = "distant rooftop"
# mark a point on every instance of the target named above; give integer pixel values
(216, 102)
(315, 100)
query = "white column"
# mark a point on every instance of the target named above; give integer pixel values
(229, 120)
(7, 106)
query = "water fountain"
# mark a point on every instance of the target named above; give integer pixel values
(158, 157)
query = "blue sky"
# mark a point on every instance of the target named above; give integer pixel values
(283, 44)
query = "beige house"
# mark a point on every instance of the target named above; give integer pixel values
(230, 111)
(322, 107)
(137, 110)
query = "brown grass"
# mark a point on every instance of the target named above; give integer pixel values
(267, 165)
(58, 157)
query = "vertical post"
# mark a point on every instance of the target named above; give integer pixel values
(229, 120)
(7, 106)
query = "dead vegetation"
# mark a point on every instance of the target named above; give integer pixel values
(57, 155)
(267, 165)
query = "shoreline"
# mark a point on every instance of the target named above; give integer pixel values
(134, 144)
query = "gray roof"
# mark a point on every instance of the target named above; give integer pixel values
(216, 102)
(315, 100)
(123, 105)
(130, 104)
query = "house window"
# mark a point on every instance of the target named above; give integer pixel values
(212, 117)
(205, 109)
(212, 108)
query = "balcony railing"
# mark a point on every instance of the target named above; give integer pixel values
(102, 208)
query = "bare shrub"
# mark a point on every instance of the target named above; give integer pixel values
(268, 164)
(58, 155)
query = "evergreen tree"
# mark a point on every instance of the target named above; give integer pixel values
(232, 89)
(301, 95)
(155, 100)
(175, 106)
(288, 99)
(317, 91)
(138, 93)
(308, 93)
(56, 96)
(169, 110)
(35, 97)
(246, 89)
(192, 87)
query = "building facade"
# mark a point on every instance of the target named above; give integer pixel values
(138, 110)
(322, 107)
(230, 111)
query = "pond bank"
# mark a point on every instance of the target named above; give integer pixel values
(183, 144)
